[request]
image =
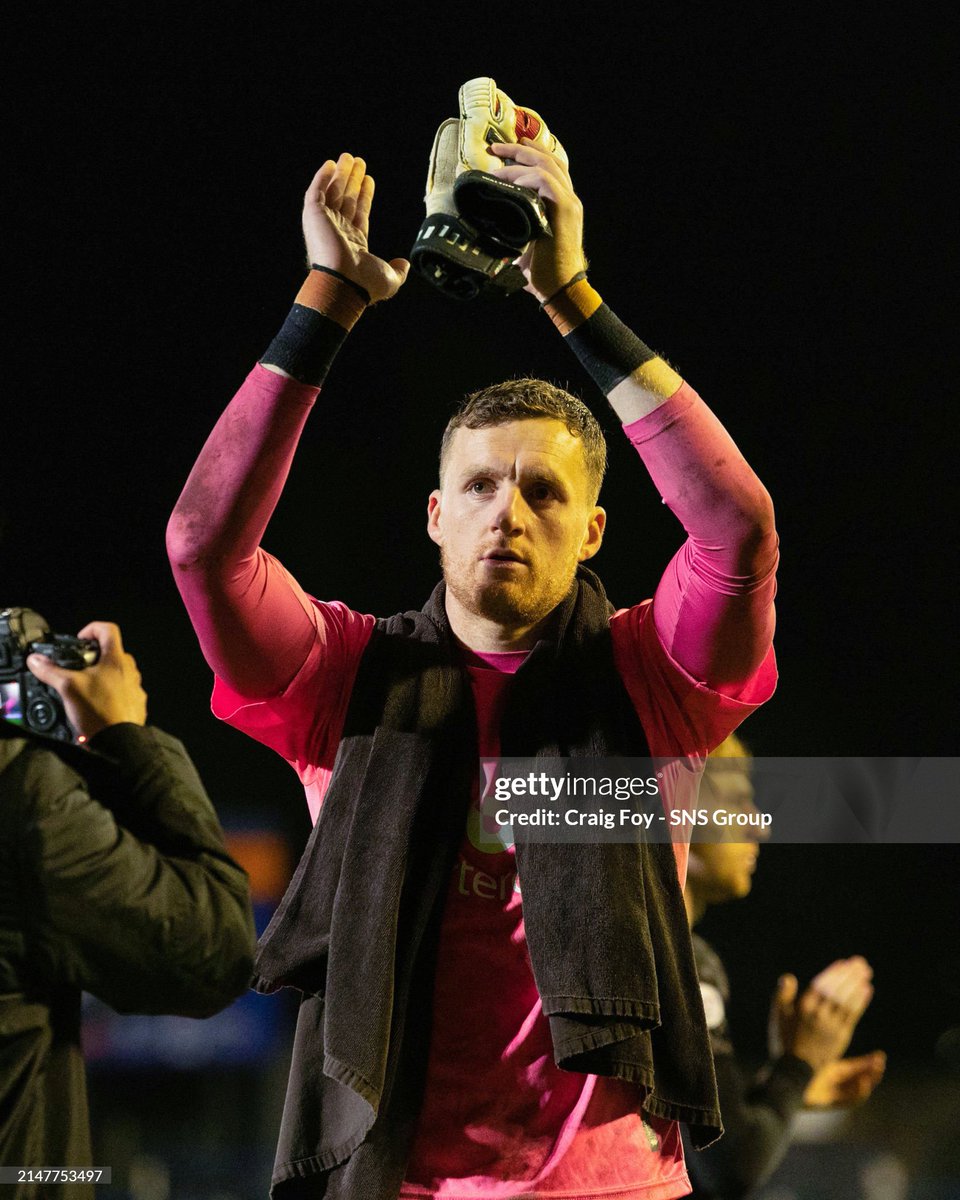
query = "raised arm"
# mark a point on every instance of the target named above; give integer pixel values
(714, 607)
(255, 624)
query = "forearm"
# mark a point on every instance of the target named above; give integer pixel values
(694, 462)
(757, 1126)
(253, 621)
(713, 609)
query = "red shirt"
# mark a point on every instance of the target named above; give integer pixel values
(499, 1119)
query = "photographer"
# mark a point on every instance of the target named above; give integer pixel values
(114, 879)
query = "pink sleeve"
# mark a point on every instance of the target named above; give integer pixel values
(304, 721)
(254, 622)
(683, 718)
(284, 662)
(713, 609)
(681, 715)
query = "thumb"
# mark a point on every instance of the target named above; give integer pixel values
(402, 268)
(46, 672)
(786, 991)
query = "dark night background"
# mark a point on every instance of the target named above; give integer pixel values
(761, 206)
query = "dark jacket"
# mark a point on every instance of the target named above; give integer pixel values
(114, 879)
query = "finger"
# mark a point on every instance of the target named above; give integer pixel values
(319, 183)
(338, 182)
(351, 191)
(361, 218)
(530, 155)
(856, 1005)
(44, 670)
(107, 636)
(786, 993)
(856, 963)
(810, 1003)
(842, 978)
(865, 1086)
(402, 268)
(868, 1063)
(851, 991)
(532, 177)
(870, 1075)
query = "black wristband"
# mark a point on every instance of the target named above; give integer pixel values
(306, 345)
(361, 291)
(608, 350)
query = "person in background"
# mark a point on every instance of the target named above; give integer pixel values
(809, 1031)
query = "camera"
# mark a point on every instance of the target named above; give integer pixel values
(24, 700)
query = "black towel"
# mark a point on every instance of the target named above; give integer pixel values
(357, 930)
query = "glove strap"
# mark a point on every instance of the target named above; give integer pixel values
(452, 255)
(504, 212)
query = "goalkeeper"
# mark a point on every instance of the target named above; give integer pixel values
(477, 1019)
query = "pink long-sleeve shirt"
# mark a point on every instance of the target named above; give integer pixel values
(499, 1119)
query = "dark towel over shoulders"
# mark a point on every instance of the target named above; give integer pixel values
(358, 928)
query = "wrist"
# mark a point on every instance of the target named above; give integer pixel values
(334, 296)
(609, 351)
(572, 304)
(351, 284)
(799, 1068)
(326, 308)
(811, 1059)
(557, 293)
(546, 290)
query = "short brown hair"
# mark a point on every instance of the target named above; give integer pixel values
(523, 399)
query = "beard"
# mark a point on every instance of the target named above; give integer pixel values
(506, 602)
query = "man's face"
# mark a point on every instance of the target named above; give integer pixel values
(723, 870)
(513, 517)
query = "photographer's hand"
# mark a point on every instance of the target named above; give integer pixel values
(108, 693)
